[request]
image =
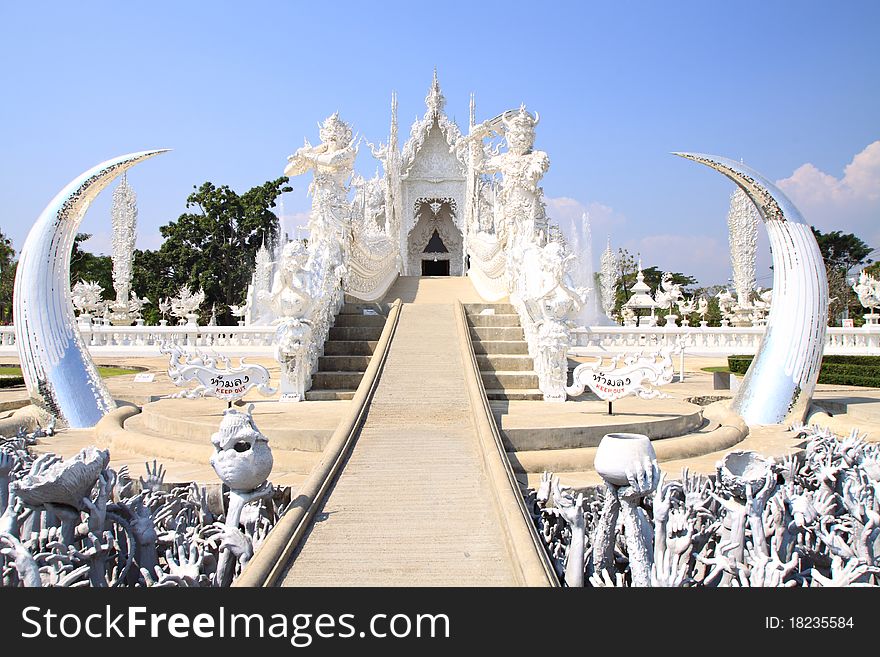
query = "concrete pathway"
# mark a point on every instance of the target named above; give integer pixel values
(412, 506)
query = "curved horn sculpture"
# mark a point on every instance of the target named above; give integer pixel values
(57, 368)
(537, 119)
(779, 384)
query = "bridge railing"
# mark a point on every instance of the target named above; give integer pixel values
(711, 339)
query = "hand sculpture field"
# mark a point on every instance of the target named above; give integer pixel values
(813, 520)
(125, 532)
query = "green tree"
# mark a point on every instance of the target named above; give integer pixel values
(8, 264)
(213, 248)
(842, 252)
(86, 266)
(627, 275)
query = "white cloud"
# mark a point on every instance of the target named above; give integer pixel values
(850, 203)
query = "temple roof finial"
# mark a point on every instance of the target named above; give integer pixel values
(435, 100)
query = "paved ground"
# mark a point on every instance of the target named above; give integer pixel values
(412, 505)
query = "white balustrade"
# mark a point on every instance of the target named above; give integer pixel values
(712, 340)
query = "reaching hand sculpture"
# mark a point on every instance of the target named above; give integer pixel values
(813, 521)
(81, 526)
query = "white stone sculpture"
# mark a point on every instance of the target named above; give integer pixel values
(86, 298)
(240, 312)
(185, 306)
(521, 168)
(214, 376)
(242, 457)
(867, 288)
(332, 161)
(638, 374)
(608, 279)
(641, 299)
(742, 224)
(164, 308)
(668, 296)
(123, 214)
(726, 303)
(686, 307)
(292, 302)
(136, 306)
(703, 310)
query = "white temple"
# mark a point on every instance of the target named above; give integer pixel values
(447, 204)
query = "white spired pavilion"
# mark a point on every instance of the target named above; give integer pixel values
(448, 204)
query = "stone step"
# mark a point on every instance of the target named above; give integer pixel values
(493, 347)
(360, 320)
(495, 333)
(499, 394)
(511, 363)
(329, 395)
(509, 380)
(355, 333)
(343, 363)
(349, 347)
(357, 307)
(336, 380)
(502, 308)
(494, 320)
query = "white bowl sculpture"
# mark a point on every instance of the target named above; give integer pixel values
(742, 467)
(619, 452)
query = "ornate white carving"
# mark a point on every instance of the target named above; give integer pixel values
(86, 298)
(742, 224)
(214, 375)
(636, 374)
(185, 306)
(123, 215)
(608, 279)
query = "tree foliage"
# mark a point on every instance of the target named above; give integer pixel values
(212, 248)
(627, 275)
(86, 266)
(842, 252)
(8, 264)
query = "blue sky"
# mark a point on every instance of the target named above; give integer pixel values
(790, 87)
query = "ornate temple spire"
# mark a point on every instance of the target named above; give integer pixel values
(123, 215)
(608, 278)
(435, 99)
(742, 224)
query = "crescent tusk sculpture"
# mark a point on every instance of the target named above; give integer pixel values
(779, 384)
(58, 370)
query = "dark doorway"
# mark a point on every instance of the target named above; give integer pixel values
(435, 268)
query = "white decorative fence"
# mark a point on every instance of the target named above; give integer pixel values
(145, 340)
(258, 340)
(711, 340)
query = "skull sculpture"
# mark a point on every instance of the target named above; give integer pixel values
(242, 458)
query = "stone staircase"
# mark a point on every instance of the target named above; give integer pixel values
(347, 352)
(502, 354)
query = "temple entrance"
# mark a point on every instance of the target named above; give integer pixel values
(435, 268)
(434, 245)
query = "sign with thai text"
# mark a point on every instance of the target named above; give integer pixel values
(626, 374)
